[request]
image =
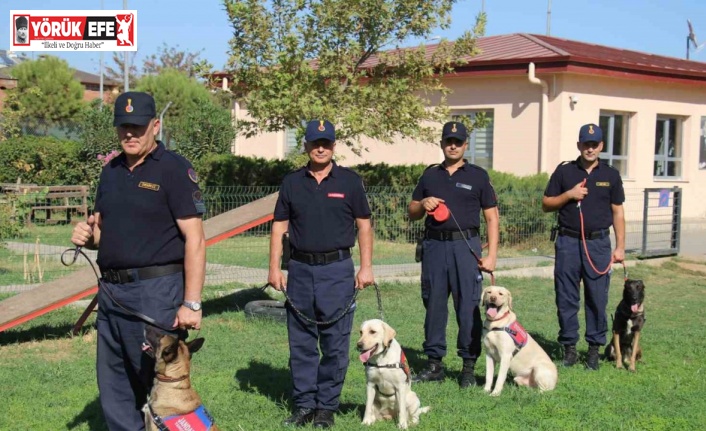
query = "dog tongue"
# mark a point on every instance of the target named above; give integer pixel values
(634, 307)
(491, 312)
(365, 355)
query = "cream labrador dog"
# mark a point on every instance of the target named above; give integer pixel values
(509, 344)
(389, 389)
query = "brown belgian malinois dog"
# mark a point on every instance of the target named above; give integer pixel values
(173, 404)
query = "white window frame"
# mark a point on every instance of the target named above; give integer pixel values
(609, 139)
(470, 153)
(664, 158)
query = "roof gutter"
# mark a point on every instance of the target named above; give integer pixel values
(543, 107)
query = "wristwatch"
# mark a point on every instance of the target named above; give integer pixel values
(195, 306)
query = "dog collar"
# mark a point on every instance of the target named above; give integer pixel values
(165, 379)
(198, 420)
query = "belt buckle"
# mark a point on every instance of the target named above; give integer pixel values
(319, 258)
(447, 235)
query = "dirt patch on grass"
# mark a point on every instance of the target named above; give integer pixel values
(695, 267)
(48, 350)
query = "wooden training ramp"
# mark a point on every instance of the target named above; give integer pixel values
(81, 283)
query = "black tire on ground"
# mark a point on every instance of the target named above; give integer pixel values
(268, 309)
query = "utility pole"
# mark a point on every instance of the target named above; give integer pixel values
(100, 86)
(549, 18)
(126, 65)
(482, 7)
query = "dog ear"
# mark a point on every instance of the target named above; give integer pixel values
(483, 300)
(389, 334)
(195, 345)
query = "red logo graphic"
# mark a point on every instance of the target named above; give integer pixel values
(337, 195)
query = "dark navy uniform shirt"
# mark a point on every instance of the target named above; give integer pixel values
(139, 210)
(605, 187)
(465, 193)
(322, 216)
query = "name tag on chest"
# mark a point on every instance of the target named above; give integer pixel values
(148, 186)
(464, 186)
(337, 195)
(602, 184)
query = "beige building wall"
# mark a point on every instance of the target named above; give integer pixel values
(516, 104)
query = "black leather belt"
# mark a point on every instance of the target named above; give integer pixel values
(321, 258)
(596, 234)
(120, 276)
(450, 235)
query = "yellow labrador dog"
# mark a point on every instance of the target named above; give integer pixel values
(389, 389)
(509, 344)
(173, 403)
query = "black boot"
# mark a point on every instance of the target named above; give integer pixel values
(300, 417)
(467, 378)
(570, 355)
(593, 357)
(434, 372)
(323, 419)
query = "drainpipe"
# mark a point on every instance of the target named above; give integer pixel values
(542, 116)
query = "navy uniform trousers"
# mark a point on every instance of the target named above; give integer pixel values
(125, 373)
(570, 268)
(448, 267)
(320, 292)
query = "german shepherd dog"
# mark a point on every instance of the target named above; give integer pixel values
(173, 404)
(627, 326)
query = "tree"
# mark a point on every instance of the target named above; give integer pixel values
(49, 93)
(171, 85)
(186, 62)
(206, 129)
(341, 60)
(117, 73)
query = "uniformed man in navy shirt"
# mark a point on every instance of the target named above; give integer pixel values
(148, 231)
(320, 205)
(448, 266)
(599, 189)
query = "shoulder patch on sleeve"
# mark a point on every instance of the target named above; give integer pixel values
(192, 175)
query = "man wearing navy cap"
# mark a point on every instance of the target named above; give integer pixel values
(448, 266)
(148, 231)
(320, 205)
(599, 189)
(21, 26)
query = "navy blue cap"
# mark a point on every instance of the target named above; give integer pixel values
(21, 22)
(320, 129)
(134, 107)
(454, 129)
(590, 133)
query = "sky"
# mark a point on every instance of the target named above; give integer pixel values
(653, 26)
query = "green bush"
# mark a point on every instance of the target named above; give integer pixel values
(206, 129)
(230, 170)
(97, 137)
(42, 161)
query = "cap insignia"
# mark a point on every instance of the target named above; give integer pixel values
(129, 107)
(454, 129)
(321, 126)
(590, 129)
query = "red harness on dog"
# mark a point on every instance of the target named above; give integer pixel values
(403, 364)
(198, 420)
(517, 333)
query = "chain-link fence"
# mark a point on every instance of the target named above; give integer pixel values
(30, 254)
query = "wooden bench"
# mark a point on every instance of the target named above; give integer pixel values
(67, 199)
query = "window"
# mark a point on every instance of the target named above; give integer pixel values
(668, 147)
(480, 141)
(615, 140)
(291, 144)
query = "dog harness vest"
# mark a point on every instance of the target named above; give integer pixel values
(198, 420)
(403, 364)
(516, 332)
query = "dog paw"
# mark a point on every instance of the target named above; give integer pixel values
(368, 421)
(632, 369)
(495, 394)
(402, 426)
(486, 389)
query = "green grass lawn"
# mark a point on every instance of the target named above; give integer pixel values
(242, 375)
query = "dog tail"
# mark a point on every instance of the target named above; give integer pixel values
(424, 409)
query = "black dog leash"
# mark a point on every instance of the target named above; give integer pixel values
(103, 288)
(492, 276)
(335, 319)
